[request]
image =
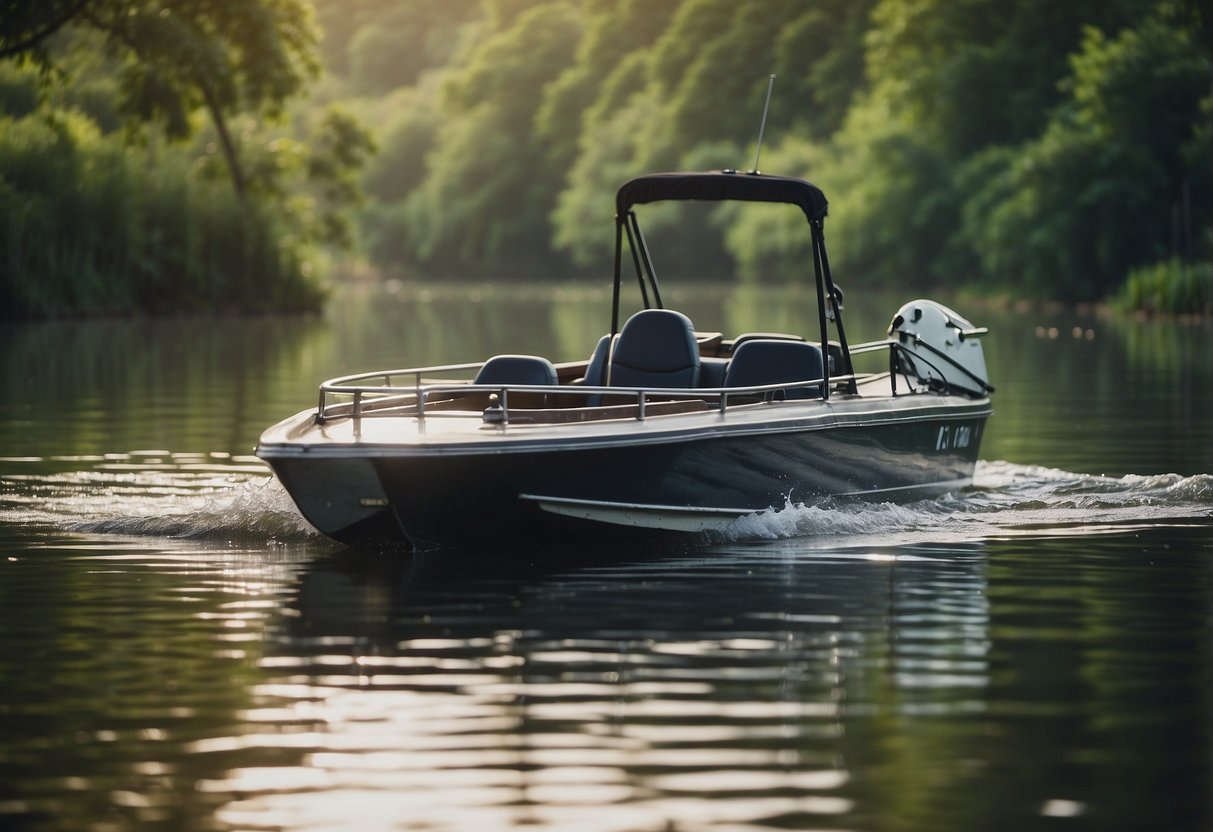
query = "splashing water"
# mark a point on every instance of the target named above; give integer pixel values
(159, 494)
(1005, 500)
(155, 494)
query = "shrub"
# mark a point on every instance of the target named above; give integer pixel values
(84, 229)
(1171, 287)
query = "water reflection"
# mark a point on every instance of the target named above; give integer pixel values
(789, 684)
(755, 685)
(697, 691)
(116, 658)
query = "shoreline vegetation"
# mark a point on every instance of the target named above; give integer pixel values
(157, 158)
(104, 235)
(1170, 289)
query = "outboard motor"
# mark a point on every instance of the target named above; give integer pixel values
(940, 348)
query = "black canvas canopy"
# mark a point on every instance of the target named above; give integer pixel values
(720, 185)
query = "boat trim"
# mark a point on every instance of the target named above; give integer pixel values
(690, 518)
(642, 515)
(940, 485)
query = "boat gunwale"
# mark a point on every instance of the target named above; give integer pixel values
(759, 418)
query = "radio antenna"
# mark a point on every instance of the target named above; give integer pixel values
(762, 126)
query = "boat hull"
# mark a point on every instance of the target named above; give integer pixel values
(691, 486)
(691, 479)
(340, 497)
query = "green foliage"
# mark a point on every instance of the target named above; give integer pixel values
(1070, 213)
(978, 73)
(610, 29)
(1169, 288)
(25, 27)
(336, 153)
(1046, 147)
(483, 205)
(606, 158)
(84, 230)
(18, 92)
(771, 242)
(152, 225)
(1034, 147)
(396, 42)
(175, 58)
(399, 166)
(819, 59)
(892, 197)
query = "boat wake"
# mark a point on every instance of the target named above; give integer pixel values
(180, 496)
(155, 494)
(1005, 500)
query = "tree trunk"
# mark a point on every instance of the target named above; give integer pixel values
(225, 139)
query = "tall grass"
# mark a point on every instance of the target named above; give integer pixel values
(1169, 288)
(87, 229)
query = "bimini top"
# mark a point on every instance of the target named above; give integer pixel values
(721, 185)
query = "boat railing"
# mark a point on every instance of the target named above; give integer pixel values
(420, 392)
(390, 393)
(351, 397)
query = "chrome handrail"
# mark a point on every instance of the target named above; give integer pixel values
(364, 397)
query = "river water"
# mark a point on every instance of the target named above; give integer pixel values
(179, 651)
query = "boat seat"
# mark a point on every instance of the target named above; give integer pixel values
(711, 371)
(517, 369)
(763, 336)
(656, 348)
(595, 371)
(768, 361)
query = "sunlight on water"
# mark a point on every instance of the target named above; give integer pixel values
(584, 732)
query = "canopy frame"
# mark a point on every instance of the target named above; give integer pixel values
(722, 186)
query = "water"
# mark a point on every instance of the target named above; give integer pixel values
(179, 651)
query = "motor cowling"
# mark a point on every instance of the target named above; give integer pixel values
(940, 348)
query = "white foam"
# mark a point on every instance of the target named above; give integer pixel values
(233, 502)
(257, 508)
(1005, 500)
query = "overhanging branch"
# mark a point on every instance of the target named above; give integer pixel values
(32, 41)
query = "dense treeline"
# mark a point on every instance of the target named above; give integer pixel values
(156, 155)
(1032, 147)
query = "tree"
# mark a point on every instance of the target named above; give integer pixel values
(1071, 213)
(613, 30)
(397, 42)
(489, 188)
(819, 58)
(26, 27)
(976, 73)
(178, 56)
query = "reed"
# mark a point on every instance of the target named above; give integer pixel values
(1172, 287)
(86, 229)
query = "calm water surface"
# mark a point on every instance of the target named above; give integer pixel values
(178, 650)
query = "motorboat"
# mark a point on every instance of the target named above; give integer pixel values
(663, 428)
